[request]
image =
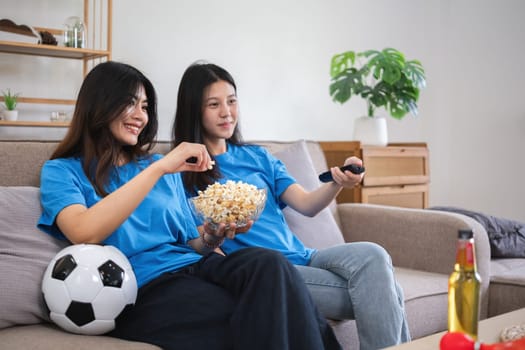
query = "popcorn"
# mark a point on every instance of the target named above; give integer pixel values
(232, 202)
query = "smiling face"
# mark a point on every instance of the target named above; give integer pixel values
(127, 127)
(220, 112)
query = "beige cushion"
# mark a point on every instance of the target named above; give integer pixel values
(49, 337)
(22, 160)
(507, 285)
(426, 297)
(320, 231)
(25, 253)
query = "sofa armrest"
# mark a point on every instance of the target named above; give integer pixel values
(416, 238)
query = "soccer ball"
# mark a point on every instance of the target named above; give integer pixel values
(87, 286)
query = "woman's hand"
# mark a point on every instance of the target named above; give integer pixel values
(212, 238)
(187, 157)
(348, 179)
(226, 230)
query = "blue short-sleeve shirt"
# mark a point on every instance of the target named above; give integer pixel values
(154, 237)
(255, 165)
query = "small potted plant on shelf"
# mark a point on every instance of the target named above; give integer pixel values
(383, 79)
(10, 102)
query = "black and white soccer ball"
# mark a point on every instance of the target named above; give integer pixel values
(87, 286)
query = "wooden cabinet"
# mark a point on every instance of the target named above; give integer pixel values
(97, 15)
(397, 174)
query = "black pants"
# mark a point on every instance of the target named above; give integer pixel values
(251, 299)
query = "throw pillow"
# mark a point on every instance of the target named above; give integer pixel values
(25, 253)
(320, 231)
(506, 237)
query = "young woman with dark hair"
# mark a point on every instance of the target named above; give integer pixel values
(102, 186)
(347, 281)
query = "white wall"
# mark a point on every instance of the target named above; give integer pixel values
(471, 113)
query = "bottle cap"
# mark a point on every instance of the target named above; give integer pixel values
(465, 234)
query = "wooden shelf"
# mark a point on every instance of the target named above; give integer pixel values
(52, 101)
(34, 124)
(51, 51)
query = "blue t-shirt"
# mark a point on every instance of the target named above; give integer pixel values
(154, 237)
(255, 165)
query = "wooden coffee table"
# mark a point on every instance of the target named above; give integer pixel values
(488, 332)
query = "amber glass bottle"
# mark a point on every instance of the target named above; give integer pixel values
(463, 288)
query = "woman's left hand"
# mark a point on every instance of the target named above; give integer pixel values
(227, 230)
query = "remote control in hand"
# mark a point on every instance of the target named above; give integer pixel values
(327, 176)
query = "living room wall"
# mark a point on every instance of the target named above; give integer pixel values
(471, 113)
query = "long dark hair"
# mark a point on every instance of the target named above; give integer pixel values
(106, 92)
(187, 126)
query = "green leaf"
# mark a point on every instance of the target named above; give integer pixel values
(346, 84)
(415, 72)
(386, 65)
(403, 100)
(341, 62)
(378, 96)
(340, 91)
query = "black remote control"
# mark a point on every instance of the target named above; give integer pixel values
(327, 176)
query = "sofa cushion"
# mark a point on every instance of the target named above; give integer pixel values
(511, 271)
(23, 158)
(507, 285)
(25, 253)
(49, 336)
(426, 298)
(320, 231)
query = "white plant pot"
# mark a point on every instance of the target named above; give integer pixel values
(371, 131)
(10, 115)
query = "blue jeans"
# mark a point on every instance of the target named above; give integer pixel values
(356, 281)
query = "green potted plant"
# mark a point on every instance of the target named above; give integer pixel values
(383, 79)
(10, 102)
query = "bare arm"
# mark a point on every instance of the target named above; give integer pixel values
(92, 225)
(311, 203)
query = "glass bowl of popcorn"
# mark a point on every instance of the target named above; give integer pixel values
(232, 202)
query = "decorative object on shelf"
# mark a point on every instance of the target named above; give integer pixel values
(74, 32)
(47, 38)
(10, 102)
(385, 79)
(10, 31)
(59, 117)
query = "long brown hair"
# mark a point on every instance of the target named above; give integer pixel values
(187, 126)
(106, 91)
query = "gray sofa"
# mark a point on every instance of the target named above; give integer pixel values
(422, 244)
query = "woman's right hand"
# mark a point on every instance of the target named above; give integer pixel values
(177, 159)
